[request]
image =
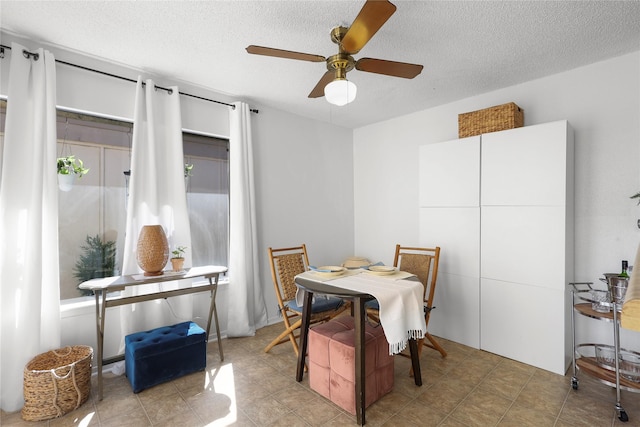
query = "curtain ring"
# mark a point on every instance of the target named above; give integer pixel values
(29, 55)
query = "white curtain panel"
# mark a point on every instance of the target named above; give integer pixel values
(29, 273)
(157, 195)
(246, 306)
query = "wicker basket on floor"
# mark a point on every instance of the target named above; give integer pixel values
(56, 382)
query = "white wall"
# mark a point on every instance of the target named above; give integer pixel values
(304, 190)
(602, 104)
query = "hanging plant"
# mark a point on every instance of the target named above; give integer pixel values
(68, 168)
(70, 165)
(188, 168)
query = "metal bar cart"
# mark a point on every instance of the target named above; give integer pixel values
(586, 357)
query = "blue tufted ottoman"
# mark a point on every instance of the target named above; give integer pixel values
(162, 354)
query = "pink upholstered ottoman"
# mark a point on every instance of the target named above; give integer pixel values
(332, 365)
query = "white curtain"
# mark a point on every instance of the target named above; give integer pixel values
(246, 307)
(156, 196)
(29, 276)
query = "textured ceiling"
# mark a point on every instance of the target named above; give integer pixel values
(466, 47)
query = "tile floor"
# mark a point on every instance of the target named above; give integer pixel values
(251, 388)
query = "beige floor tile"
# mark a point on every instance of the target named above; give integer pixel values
(518, 416)
(386, 407)
(85, 415)
(506, 381)
(14, 419)
(544, 395)
(416, 414)
(584, 410)
(295, 396)
(264, 411)
(481, 408)
(452, 422)
(215, 409)
(134, 418)
(115, 404)
(188, 418)
(446, 394)
(341, 420)
(166, 407)
(318, 411)
(288, 420)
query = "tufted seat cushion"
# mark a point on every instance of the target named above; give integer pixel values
(162, 354)
(332, 362)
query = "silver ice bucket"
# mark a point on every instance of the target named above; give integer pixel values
(617, 287)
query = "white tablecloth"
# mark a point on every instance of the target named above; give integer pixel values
(400, 301)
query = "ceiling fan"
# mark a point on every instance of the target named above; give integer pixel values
(334, 84)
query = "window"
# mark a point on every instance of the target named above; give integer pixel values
(96, 206)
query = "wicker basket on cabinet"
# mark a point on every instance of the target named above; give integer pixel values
(500, 117)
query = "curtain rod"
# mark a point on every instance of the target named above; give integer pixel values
(35, 56)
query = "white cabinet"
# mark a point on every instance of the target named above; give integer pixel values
(506, 236)
(526, 166)
(450, 218)
(457, 232)
(439, 162)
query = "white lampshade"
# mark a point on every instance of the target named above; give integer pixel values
(340, 92)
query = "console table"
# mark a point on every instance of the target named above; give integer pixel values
(102, 286)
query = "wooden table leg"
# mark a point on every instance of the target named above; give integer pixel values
(304, 333)
(415, 361)
(359, 319)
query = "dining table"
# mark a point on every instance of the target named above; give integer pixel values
(349, 288)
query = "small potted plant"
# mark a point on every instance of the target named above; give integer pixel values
(68, 168)
(177, 259)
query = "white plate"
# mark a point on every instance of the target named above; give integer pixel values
(381, 270)
(329, 270)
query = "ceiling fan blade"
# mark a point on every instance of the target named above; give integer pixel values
(318, 91)
(389, 68)
(371, 18)
(279, 53)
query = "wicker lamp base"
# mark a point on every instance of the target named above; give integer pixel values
(152, 252)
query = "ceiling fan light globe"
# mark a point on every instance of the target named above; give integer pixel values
(340, 92)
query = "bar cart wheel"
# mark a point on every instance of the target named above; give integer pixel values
(574, 383)
(622, 414)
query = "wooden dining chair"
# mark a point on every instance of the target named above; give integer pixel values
(423, 262)
(286, 263)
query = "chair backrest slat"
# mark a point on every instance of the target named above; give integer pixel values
(418, 264)
(286, 263)
(423, 262)
(289, 266)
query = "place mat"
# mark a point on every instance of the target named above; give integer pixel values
(323, 278)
